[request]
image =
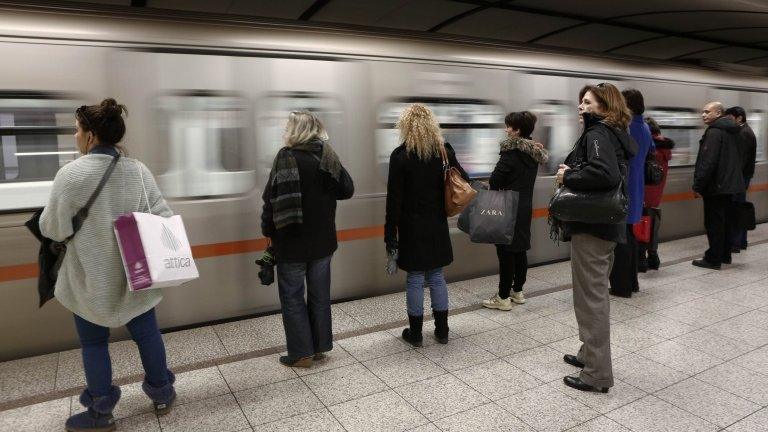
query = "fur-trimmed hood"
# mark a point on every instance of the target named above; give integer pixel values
(529, 147)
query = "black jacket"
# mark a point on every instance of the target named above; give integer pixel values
(516, 170)
(747, 150)
(416, 223)
(598, 161)
(718, 164)
(315, 238)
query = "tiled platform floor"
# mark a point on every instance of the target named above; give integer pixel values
(691, 353)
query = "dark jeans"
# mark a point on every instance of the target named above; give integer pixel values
(513, 269)
(739, 236)
(718, 215)
(624, 273)
(98, 366)
(307, 324)
(653, 246)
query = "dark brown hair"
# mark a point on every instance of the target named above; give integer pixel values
(611, 101)
(653, 126)
(525, 121)
(635, 101)
(104, 120)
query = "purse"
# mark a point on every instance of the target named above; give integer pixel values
(51, 254)
(590, 206)
(642, 229)
(745, 216)
(654, 174)
(458, 192)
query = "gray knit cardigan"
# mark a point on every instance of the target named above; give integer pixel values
(92, 283)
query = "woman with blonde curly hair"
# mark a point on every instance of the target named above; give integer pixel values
(416, 229)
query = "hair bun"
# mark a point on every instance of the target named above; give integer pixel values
(111, 109)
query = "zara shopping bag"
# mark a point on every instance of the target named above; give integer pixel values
(491, 216)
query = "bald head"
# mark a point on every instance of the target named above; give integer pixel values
(711, 112)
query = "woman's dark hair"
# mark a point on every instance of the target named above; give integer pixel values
(736, 112)
(635, 101)
(653, 126)
(104, 120)
(525, 121)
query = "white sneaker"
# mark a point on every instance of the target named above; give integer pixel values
(499, 303)
(518, 297)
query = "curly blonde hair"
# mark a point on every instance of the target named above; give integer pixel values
(420, 131)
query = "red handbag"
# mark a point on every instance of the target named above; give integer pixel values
(642, 229)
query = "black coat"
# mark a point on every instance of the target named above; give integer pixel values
(315, 238)
(598, 161)
(747, 150)
(516, 170)
(416, 223)
(718, 164)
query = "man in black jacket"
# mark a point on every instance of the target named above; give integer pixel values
(748, 153)
(717, 178)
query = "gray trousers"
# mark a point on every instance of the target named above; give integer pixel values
(591, 262)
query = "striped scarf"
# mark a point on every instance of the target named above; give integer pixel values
(286, 182)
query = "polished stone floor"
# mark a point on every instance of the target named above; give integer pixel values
(690, 354)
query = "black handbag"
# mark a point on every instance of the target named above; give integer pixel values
(654, 174)
(51, 254)
(745, 216)
(608, 206)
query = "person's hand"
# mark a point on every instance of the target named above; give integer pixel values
(561, 173)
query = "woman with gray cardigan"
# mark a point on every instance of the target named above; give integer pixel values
(91, 282)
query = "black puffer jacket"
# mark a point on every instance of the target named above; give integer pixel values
(747, 150)
(416, 223)
(315, 238)
(516, 170)
(598, 161)
(718, 164)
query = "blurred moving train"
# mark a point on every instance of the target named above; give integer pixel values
(208, 101)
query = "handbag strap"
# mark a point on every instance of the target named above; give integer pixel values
(444, 158)
(82, 214)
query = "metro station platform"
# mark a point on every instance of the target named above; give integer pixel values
(690, 354)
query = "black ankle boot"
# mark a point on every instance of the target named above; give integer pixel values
(441, 326)
(653, 261)
(412, 335)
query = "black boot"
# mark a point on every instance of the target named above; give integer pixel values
(653, 260)
(441, 326)
(412, 335)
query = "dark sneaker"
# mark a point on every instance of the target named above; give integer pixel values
(91, 421)
(705, 264)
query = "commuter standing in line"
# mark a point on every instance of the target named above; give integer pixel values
(717, 178)
(649, 256)
(516, 170)
(598, 162)
(625, 265)
(299, 218)
(748, 153)
(92, 282)
(416, 228)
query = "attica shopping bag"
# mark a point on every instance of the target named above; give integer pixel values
(492, 217)
(155, 251)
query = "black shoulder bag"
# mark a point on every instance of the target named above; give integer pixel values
(51, 254)
(654, 174)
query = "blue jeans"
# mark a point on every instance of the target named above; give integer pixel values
(438, 291)
(98, 366)
(307, 324)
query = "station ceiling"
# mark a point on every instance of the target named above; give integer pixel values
(727, 31)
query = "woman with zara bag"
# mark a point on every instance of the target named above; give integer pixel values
(597, 163)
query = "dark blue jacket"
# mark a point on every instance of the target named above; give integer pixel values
(638, 130)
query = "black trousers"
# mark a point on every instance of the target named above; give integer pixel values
(739, 236)
(651, 247)
(513, 269)
(718, 216)
(624, 273)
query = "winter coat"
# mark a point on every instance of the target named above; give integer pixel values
(718, 165)
(640, 132)
(653, 193)
(516, 170)
(315, 238)
(598, 161)
(747, 150)
(416, 223)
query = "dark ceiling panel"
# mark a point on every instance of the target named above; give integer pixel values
(761, 62)
(595, 37)
(612, 8)
(701, 20)
(219, 7)
(729, 54)
(507, 25)
(285, 9)
(665, 48)
(399, 14)
(107, 2)
(743, 35)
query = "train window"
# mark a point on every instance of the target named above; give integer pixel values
(209, 145)
(36, 139)
(756, 120)
(684, 127)
(556, 128)
(472, 127)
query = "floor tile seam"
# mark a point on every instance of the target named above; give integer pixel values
(762, 405)
(237, 401)
(326, 407)
(677, 370)
(490, 402)
(698, 416)
(445, 371)
(635, 430)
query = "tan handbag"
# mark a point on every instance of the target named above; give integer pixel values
(458, 193)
